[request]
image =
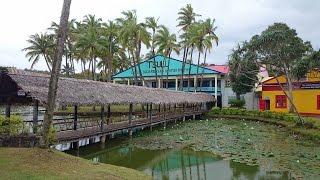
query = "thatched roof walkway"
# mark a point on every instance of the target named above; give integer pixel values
(160, 105)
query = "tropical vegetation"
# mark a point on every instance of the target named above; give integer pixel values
(103, 48)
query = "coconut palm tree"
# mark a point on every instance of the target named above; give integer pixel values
(41, 46)
(132, 35)
(108, 48)
(186, 18)
(211, 38)
(68, 68)
(56, 65)
(88, 40)
(166, 43)
(196, 36)
(152, 24)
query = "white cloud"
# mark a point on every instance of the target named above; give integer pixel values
(236, 20)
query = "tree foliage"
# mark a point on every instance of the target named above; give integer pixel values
(243, 69)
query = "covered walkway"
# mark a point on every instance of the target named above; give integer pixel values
(158, 105)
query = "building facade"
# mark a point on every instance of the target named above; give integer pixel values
(165, 72)
(306, 95)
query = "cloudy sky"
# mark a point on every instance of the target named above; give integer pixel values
(236, 20)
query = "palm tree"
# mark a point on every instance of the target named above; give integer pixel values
(56, 65)
(41, 45)
(152, 23)
(186, 18)
(88, 39)
(166, 43)
(196, 36)
(69, 51)
(108, 48)
(132, 35)
(211, 38)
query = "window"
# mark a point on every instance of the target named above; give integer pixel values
(154, 84)
(281, 101)
(318, 102)
(206, 84)
(185, 83)
(171, 84)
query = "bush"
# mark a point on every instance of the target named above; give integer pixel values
(237, 103)
(10, 126)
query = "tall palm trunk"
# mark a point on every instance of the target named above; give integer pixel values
(191, 60)
(204, 62)
(184, 59)
(154, 58)
(135, 69)
(47, 62)
(168, 68)
(138, 50)
(56, 66)
(196, 87)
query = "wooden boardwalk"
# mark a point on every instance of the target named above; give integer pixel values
(98, 130)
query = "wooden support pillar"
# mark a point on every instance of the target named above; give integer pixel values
(130, 118)
(35, 114)
(91, 140)
(75, 116)
(183, 112)
(75, 145)
(103, 139)
(109, 114)
(8, 108)
(164, 116)
(102, 118)
(194, 117)
(159, 110)
(150, 116)
(147, 111)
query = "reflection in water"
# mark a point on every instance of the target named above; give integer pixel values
(180, 164)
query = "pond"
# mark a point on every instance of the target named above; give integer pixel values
(217, 149)
(174, 164)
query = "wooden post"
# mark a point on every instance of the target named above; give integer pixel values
(159, 110)
(164, 116)
(102, 118)
(108, 114)
(147, 111)
(75, 116)
(8, 108)
(150, 116)
(103, 139)
(130, 119)
(75, 145)
(35, 116)
(183, 110)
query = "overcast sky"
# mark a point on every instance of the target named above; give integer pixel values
(236, 20)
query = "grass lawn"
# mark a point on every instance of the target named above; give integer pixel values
(36, 163)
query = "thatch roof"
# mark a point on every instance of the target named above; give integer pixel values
(87, 92)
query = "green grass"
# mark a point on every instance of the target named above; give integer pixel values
(36, 163)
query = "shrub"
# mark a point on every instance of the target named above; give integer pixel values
(215, 110)
(237, 103)
(10, 126)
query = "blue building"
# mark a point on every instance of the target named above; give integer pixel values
(165, 72)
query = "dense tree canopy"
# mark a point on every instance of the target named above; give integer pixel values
(283, 51)
(243, 69)
(104, 48)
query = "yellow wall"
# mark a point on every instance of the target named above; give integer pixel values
(281, 79)
(313, 76)
(304, 99)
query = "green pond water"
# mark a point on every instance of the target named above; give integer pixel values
(212, 149)
(174, 164)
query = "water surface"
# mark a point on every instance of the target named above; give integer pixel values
(173, 164)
